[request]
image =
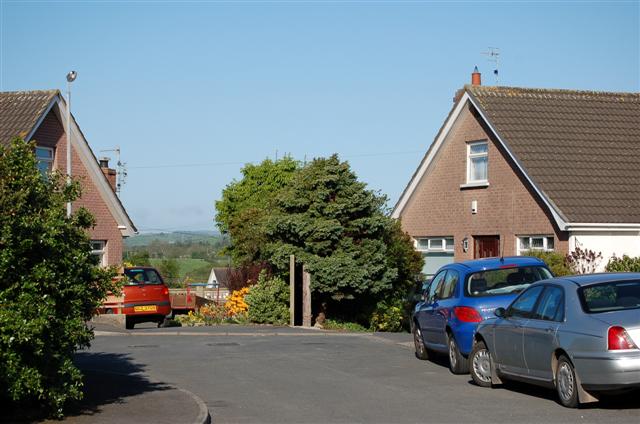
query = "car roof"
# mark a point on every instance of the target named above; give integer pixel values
(495, 263)
(602, 277)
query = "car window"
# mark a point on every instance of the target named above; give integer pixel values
(505, 280)
(551, 304)
(610, 296)
(142, 276)
(449, 286)
(523, 306)
(436, 285)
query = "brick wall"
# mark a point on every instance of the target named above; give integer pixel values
(508, 207)
(51, 134)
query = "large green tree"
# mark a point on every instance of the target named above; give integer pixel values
(343, 235)
(50, 283)
(246, 203)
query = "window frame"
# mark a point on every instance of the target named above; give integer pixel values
(443, 240)
(470, 156)
(100, 253)
(545, 243)
(47, 160)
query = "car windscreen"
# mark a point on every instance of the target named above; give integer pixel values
(505, 280)
(611, 296)
(142, 276)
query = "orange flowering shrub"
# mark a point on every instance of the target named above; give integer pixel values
(236, 305)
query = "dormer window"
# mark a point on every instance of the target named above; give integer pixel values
(44, 156)
(477, 162)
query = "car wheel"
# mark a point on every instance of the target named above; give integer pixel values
(480, 365)
(566, 384)
(458, 364)
(128, 323)
(421, 349)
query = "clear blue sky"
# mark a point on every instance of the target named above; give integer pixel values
(212, 85)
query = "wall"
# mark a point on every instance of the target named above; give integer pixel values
(507, 207)
(51, 134)
(614, 243)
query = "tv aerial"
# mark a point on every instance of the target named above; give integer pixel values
(493, 53)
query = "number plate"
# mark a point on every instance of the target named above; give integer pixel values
(145, 308)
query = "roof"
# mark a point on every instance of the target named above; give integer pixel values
(20, 112)
(494, 263)
(581, 148)
(222, 276)
(603, 277)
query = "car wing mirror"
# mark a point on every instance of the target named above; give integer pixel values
(500, 313)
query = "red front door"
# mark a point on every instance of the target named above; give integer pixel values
(486, 246)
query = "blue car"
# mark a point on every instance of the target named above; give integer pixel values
(461, 295)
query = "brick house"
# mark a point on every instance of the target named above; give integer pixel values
(514, 169)
(40, 116)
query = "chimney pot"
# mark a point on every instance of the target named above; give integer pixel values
(475, 77)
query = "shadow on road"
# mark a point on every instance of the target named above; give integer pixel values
(108, 378)
(627, 400)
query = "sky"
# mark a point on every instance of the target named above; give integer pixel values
(192, 90)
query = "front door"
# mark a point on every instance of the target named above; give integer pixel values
(486, 246)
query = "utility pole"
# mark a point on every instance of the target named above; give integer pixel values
(71, 76)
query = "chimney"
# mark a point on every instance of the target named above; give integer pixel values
(108, 172)
(475, 77)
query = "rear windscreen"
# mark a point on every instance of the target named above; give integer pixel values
(613, 296)
(503, 281)
(142, 276)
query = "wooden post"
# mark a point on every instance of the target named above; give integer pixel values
(306, 297)
(292, 290)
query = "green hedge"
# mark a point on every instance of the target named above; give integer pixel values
(623, 264)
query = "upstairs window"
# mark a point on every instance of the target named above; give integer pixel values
(99, 248)
(44, 156)
(477, 162)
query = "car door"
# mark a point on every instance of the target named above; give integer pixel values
(540, 333)
(508, 335)
(443, 308)
(428, 322)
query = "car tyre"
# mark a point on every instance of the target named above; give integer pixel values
(128, 323)
(480, 365)
(566, 383)
(418, 342)
(458, 364)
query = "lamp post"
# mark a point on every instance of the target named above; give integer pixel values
(71, 76)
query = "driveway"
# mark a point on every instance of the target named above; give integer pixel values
(278, 375)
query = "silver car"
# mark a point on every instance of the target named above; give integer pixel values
(579, 334)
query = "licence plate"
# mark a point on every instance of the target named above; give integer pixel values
(145, 308)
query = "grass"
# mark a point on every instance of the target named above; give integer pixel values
(196, 269)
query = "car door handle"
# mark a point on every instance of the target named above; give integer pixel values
(549, 330)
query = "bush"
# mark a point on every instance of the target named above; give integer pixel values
(623, 264)
(388, 316)
(235, 304)
(330, 324)
(556, 262)
(50, 283)
(268, 301)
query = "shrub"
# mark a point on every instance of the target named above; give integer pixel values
(623, 264)
(50, 283)
(330, 324)
(582, 261)
(556, 262)
(388, 316)
(213, 314)
(235, 304)
(268, 301)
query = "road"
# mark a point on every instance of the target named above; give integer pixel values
(283, 375)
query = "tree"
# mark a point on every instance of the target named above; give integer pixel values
(170, 270)
(245, 203)
(140, 258)
(50, 283)
(340, 231)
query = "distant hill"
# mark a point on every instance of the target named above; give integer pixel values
(141, 240)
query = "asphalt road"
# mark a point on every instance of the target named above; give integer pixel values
(283, 375)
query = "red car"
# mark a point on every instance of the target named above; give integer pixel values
(146, 298)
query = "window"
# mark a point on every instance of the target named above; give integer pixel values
(497, 282)
(610, 296)
(551, 305)
(540, 243)
(436, 286)
(449, 286)
(436, 251)
(477, 162)
(523, 306)
(98, 248)
(44, 156)
(137, 276)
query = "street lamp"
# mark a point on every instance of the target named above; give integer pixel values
(71, 76)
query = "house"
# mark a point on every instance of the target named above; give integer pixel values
(40, 116)
(514, 169)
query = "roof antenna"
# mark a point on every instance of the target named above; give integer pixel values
(493, 53)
